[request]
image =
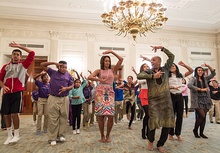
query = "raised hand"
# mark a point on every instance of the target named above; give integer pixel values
(13, 44)
(58, 65)
(89, 72)
(107, 52)
(205, 65)
(133, 69)
(74, 70)
(155, 48)
(181, 63)
(81, 74)
(144, 58)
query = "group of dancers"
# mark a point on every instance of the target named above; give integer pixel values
(160, 96)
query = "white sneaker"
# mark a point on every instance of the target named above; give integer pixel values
(74, 131)
(62, 139)
(53, 143)
(7, 140)
(15, 139)
(77, 131)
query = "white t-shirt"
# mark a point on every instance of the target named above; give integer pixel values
(175, 82)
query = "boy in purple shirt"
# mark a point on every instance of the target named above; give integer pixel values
(43, 89)
(58, 102)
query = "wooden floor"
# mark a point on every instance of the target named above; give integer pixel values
(123, 140)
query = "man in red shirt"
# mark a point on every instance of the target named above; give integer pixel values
(12, 82)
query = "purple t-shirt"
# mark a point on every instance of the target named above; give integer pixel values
(43, 89)
(57, 80)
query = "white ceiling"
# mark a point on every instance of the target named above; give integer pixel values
(200, 15)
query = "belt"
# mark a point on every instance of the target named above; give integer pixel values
(58, 95)
(176, 93)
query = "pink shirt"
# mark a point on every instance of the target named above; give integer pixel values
(185, 90)
(107, 74)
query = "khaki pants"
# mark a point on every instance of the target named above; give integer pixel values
(211, 111)
(42, 110)
(118, 110)
(93, 114)
(34, 110)
(58, 109)
(86, 115)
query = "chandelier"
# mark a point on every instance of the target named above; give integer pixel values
(135, 17)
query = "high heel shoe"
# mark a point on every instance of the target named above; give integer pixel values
(196, 133)
(203, 136)
(143, 134)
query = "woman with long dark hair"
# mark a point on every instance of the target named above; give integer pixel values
(185, 96)
(200, 98)
(143, 95)
(175, 83)
(104, 95)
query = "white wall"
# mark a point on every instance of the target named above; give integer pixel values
(81, 43)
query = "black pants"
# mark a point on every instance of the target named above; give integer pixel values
(128, 105)
(76, 111)
(163, 136)
(178, 111)
(186, 103)
(145, 120)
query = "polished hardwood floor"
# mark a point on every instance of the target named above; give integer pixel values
(123, 140)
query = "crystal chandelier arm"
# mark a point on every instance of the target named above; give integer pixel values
(129, 13)
(125, 34)
(123, 14)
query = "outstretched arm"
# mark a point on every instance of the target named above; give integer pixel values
(78, 77)
(213, 73)
(168, 53)
(133, 69)
(46, 64)
(15, 45)
(144, 58)
(190, 70)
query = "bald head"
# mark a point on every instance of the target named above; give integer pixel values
(155, 62)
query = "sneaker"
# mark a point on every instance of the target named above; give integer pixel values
(74, 131)
(38, 133)
(62, 139)
(7, 140)
(15, 139)
(45, 131)
(53, 143)
(77, 131)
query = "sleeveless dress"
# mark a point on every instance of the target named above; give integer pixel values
(104, 95)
